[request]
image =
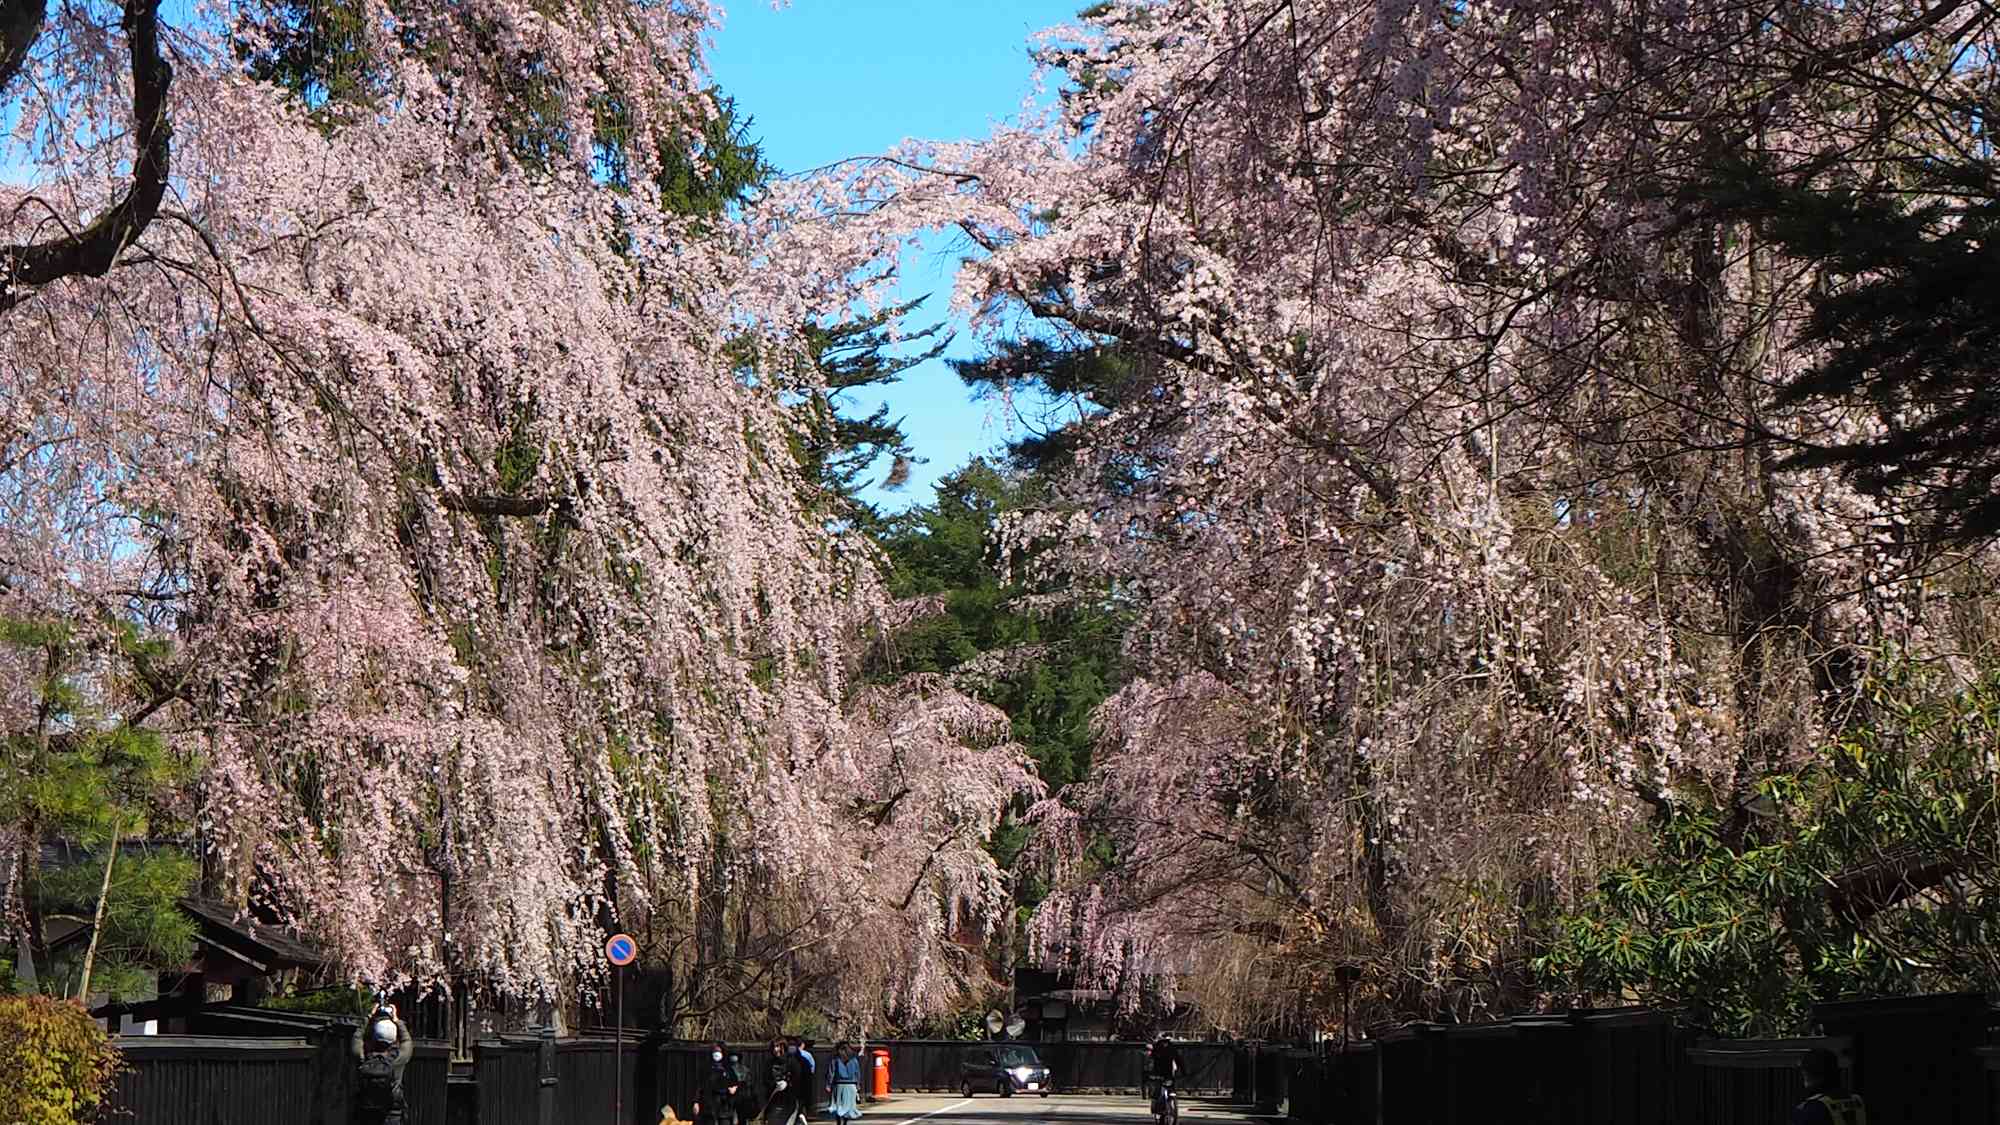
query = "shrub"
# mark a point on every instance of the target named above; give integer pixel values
(55, 1062)
(339, 1000)
(1871, 870)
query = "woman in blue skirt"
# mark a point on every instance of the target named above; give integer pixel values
(843, 1084)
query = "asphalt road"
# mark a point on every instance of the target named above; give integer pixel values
(1022, 1109)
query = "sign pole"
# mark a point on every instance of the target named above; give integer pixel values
(618, 1058)
(620, 950)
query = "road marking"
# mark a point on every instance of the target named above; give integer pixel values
(935, 1112)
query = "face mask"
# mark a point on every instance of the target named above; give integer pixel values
(715, 1056)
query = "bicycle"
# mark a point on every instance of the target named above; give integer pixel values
(1166, 1106)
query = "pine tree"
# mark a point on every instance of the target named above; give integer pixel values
(1908, 315)
(1047, 661)
(84, 770)
(853, 355)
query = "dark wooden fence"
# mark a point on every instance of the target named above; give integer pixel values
(1920, 1061)
(207, 1079)
(223, 1080)
(1989, 1059)
(1916, 1061)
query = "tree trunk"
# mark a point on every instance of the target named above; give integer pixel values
(31, 907)
(97, 920)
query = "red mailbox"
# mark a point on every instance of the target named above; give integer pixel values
(881, 1072)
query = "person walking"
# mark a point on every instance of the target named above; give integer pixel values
(808, 1078)
(716, 1104)
(747, 1102)
(382, 1048)
(781, 1098)
(843, 1084)
(1827, 1101)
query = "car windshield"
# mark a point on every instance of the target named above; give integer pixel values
(1019, 1056)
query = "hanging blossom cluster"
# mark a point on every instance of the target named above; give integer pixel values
(939, 773)
(1447, 498)
(419, 427)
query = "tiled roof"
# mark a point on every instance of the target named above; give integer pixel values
(275, 946)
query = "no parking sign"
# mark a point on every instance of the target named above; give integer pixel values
(621, 950)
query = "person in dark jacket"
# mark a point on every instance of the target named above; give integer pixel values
(382, 1048)
(1827, 1102)
(781, 1085)
(716, 1103)
(748, 1100)
(1163, 1064)
(808, 1068)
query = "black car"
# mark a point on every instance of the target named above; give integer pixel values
(1004, 1069)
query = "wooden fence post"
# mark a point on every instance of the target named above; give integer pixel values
(545, 1095)
(330, 1074)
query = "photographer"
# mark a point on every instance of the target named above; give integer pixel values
(382, 1048)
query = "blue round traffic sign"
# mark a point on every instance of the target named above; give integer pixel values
(621, 949)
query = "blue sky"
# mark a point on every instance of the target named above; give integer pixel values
(829, 79)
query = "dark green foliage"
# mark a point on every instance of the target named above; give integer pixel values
(1872, 870)
(317, 50)
(337, 1001)
(1909, 312)
(850, 356)
(88, 774)
(85, 771)
(724, 169)
(144, 928)
(1095, 376)
(1066, 659)
(708, 166)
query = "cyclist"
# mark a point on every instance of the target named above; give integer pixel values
(1163, 1066)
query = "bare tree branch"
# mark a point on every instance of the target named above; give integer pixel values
(92, 250)
(20, 25)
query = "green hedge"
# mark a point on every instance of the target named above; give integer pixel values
(55, 1062)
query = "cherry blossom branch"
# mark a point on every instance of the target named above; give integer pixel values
(930, 861)
(93, 250)
(1820, 63)
(488, 505)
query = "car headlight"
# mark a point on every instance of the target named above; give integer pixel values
(1024, 1072)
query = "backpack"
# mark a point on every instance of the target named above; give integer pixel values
(1842, 1109)
(375, 1088)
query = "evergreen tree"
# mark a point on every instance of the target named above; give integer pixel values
(853, 355)
(82, 769)
(1908, 320)
(1082, 379)
(723, 170)
(1048, 666)
(1868, 870)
